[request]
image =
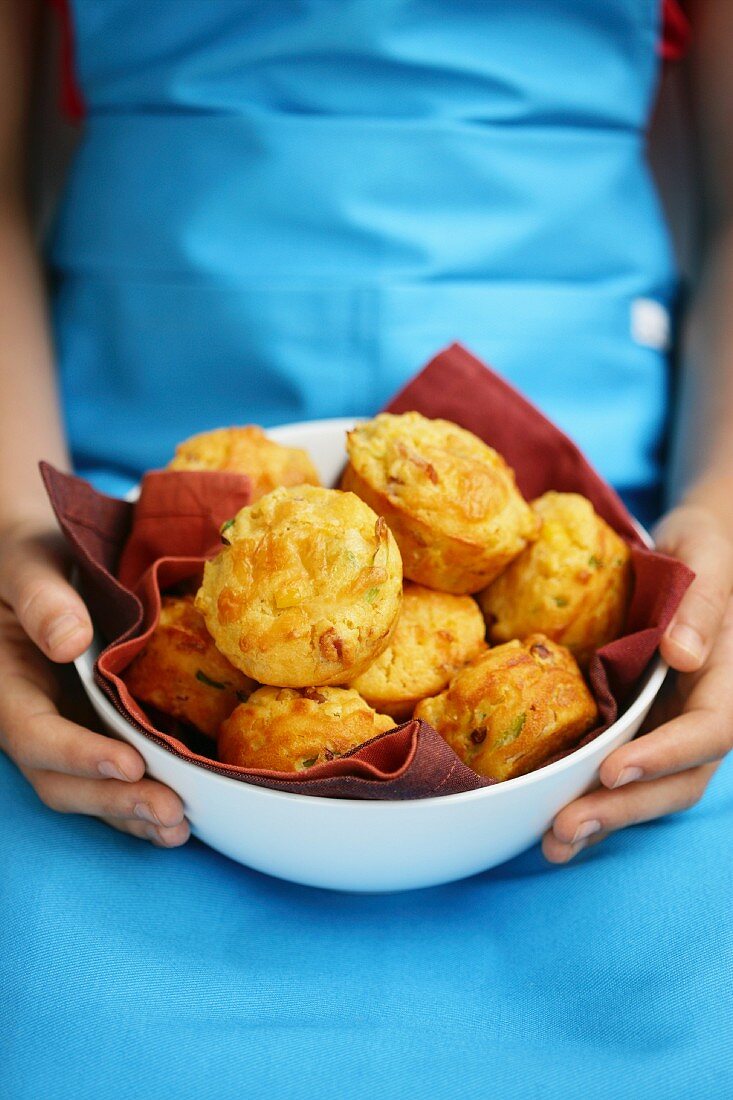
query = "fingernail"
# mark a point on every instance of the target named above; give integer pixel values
(585, 830)
(111, 771)
(163, 837)
(687, 638)
(146, 813)
(628, 775)
(61, 629)
(167, 837)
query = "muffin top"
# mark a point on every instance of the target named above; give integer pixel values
(513, 707)
(573, 583)
(441, 474)
(248, 451)
(181, 672)
(436, 633)
(307, 589)
(286, 729)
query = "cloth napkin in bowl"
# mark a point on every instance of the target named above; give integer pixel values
(128, 553)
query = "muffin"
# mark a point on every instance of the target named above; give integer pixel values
(572, 584)
(451, 501)
(182, 673)
(513, 708)
(307, 589)
(436, 634)
(246, 451)
(287, 730)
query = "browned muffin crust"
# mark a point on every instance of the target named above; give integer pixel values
(248, 451)
(436, 634)
(308, 589)
(290, 729)
(451, 501)
(181, 672)
(513, 708)
(572, 584)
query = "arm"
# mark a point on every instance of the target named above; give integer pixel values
(71, 768)
(26, 365)
(669, 768)
(703, 452)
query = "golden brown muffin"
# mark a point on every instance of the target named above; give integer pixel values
(451, 501)
(436, 633)
(573, 584)
(286, 729)
(308, 590)
(246, 451)
(182, 673)
(513, 708)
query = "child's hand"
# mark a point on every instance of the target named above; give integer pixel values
(668, 769)
(71, 769)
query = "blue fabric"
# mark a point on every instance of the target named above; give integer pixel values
(127, 972)
(281, 210)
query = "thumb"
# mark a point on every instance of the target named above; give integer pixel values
(693, 536)
(33, 584)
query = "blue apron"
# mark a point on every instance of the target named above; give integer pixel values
(279, 210)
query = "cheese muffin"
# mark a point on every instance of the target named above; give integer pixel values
(451, 501)
(287, 730)
(513, 708)
(436, 634)
(572, 584)
(246, 451)
(307, 589)
(182, 673)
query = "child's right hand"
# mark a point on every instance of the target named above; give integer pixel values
(43, 621)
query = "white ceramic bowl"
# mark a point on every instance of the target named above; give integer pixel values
(362, 846)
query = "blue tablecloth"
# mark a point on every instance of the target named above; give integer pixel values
(129, 972)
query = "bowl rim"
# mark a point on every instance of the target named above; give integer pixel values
(654, 678)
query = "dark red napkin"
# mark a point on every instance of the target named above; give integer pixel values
(129, 553)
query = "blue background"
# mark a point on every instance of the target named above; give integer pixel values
(129, 972)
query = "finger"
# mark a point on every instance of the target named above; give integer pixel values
(35, 736)
(48, 742)
(158, 835)
(602, 812)
(20, 657)
(698, 737)
(146, 801)
(690, 636)
(49, 610)
(555, 851)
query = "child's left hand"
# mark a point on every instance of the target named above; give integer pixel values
(668, 769)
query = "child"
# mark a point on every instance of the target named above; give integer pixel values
(279, 211)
